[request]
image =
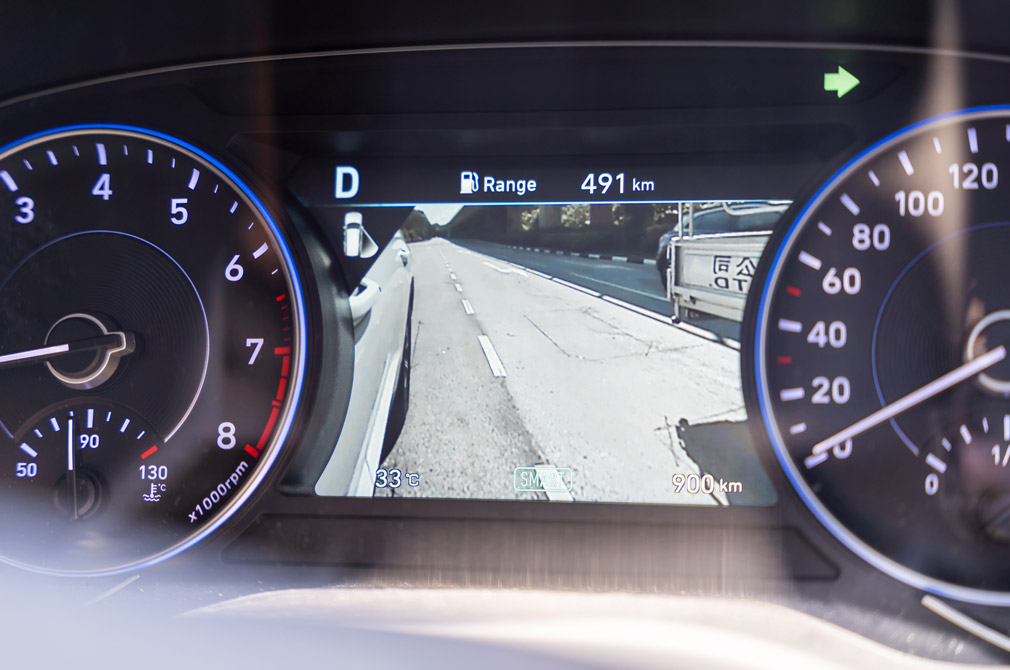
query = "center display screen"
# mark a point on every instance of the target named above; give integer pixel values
(574, 335)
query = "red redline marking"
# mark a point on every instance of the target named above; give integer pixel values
(266, 431)
(285, 366)
(252, 452)
(282, 351)
(792, 290)
(282, 296)
(149, 452)
(282, 386)
(784, 360)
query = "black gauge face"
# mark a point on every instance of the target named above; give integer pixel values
(151, 349)
(880, 355)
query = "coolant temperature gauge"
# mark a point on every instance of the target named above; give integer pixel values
(70, 459)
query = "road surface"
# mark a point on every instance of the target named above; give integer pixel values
(512, 368)
(636, 283)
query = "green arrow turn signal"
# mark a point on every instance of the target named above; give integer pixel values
(842, 81)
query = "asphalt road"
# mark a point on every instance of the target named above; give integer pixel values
(635, 283)
(511, 368)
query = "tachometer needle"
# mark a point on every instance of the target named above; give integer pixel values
(71, 471)
(115, 341)
(888, 412)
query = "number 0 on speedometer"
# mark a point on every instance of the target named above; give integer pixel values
(879, 357)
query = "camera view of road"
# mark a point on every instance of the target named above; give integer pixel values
(529, 359)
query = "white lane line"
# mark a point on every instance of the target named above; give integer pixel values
(504, 271)
(638, 310)
(497, 368)
(973, 140)
(905, 163)
(576, 287)
(542, 275)
(467, 307)
(553, 496)
(459, 289)
(28, 450)
(850, 204)
(262, 250)
(7, 179)
(623, 288)
(193, 179)
(810, 261)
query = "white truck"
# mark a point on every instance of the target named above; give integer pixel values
(712, 254)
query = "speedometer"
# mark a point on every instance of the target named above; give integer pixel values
(879, 354)
(151, 355)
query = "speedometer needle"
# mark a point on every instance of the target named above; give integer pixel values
(888, 412)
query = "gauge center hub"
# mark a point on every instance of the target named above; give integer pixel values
(99, 349)
(994, 328)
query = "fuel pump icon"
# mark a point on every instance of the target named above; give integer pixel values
(468, 182)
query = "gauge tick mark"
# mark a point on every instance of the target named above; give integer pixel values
(906, 163)
(8, 181)
(850, 204)
(810, 261)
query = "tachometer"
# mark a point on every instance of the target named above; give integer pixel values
(880, 354)
(152, 347)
